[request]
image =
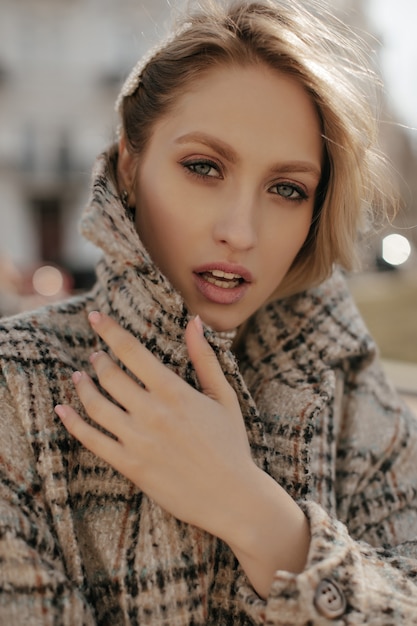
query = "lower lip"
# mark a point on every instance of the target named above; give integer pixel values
(220, 295)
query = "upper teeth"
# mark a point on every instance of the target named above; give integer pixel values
(221, 274)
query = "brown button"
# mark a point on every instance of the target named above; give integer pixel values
(329, 599)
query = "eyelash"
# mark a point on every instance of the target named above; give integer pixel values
(302, 195)
(189, 165)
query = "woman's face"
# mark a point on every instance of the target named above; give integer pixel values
(225, 190)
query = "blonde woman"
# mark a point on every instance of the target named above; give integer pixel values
(207, 437)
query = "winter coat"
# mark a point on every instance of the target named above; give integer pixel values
(81, 545)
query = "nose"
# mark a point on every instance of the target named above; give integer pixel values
(236, 224)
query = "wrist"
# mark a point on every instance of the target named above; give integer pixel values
(270, 531)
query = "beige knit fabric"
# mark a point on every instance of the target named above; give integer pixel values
(79, 544)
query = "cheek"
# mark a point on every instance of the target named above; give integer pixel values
(304, 231)
(284, 245)
(289, 235)
(160, 227)
(151, 211)
(301, 230)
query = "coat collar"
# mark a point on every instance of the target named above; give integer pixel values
(322, 321)
(285, 380)
(295, 357)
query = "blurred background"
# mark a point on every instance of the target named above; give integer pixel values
(61, 65)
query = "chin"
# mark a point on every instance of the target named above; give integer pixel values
(222, 324)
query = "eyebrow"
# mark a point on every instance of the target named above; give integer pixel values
(298, 167)
(207, 140)
(228, 153)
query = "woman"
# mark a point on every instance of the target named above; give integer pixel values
(238, 457)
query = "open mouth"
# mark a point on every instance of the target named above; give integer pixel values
(225, 280)
(222, 283)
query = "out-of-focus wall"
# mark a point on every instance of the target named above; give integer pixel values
(61, 65)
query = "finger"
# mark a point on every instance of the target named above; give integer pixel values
(116, 382)
(99, 408)
(207, 367)
(97, 442)
(130, 351)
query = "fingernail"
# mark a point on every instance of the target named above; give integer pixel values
(199, 325)
(76, 377)
(94, 356)
(94, 317)
(60, 411)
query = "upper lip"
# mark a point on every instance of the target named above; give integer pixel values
(228, 268)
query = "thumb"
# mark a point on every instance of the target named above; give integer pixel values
(206, 365)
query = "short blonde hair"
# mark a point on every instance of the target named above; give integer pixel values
(319, 52)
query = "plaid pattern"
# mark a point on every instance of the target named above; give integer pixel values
(80, 545)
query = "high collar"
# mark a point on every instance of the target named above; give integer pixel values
(321, 323)
(131, 287)
(290, 352)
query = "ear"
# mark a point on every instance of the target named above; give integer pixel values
(126, 170)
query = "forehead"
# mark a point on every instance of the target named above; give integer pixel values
(248, 107)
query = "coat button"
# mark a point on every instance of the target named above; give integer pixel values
(329, 600)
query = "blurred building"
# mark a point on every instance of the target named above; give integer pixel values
(61, 65)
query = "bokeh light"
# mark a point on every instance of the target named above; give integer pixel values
(396, 249)
(47, 281)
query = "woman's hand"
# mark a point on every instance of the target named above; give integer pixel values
(188, 450)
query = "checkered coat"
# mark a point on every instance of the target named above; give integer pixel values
(81, 545)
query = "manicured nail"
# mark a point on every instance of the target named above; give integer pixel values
(199, 325)
(94, 317)
(76, 377)
(60, 411)
(94, 356)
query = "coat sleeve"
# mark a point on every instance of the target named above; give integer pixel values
(34, 585)
(361, 567)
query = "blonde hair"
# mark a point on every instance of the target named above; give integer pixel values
(319, 52)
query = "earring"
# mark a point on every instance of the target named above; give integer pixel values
(124, 197)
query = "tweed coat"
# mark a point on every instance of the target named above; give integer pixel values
(81, 545)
